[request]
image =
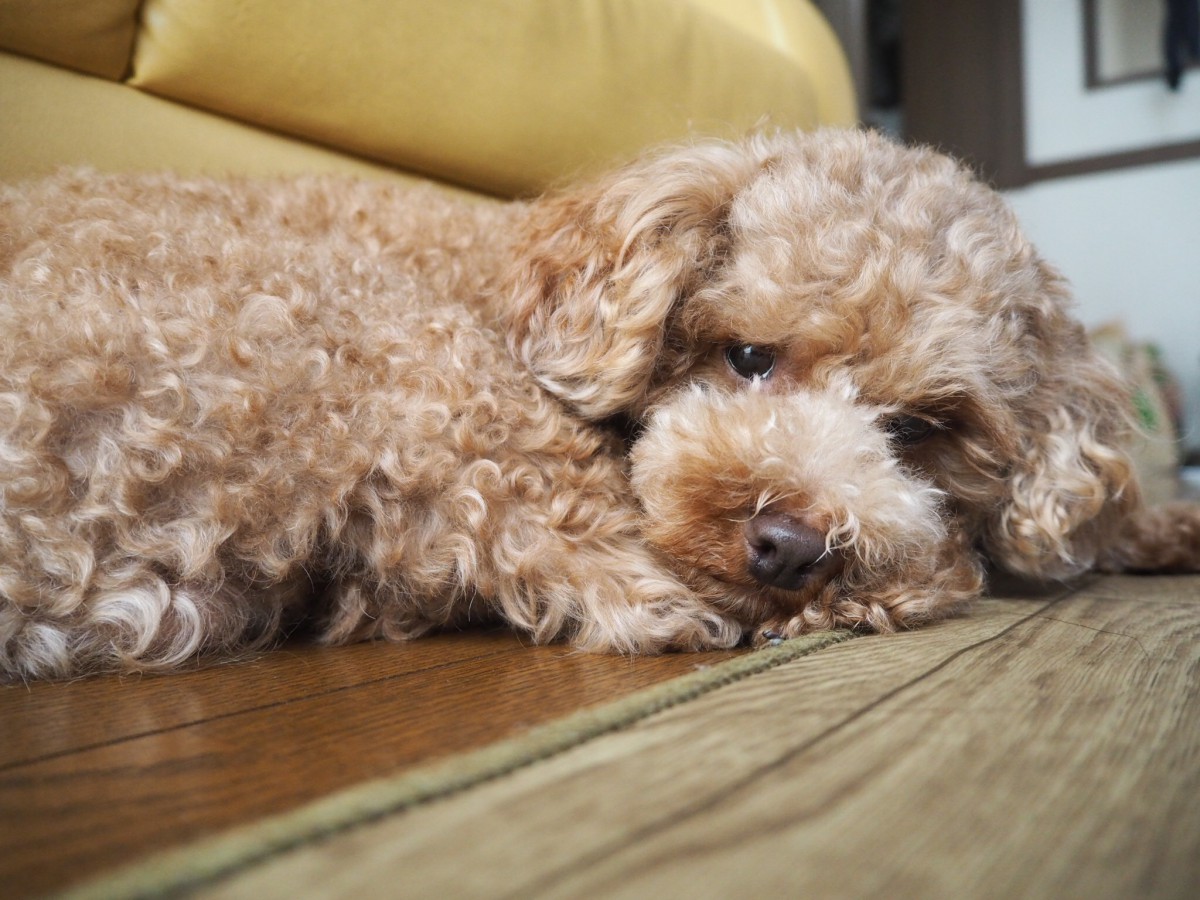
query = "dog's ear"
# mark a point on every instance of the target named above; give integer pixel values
(1070, 482)
(601, 267)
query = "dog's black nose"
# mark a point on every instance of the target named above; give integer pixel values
(781, 550)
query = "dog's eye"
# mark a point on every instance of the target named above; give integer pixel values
(909, 431)
(751, 360)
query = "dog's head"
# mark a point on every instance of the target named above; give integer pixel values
(852, 371)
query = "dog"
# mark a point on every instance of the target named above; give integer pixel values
(732, 390)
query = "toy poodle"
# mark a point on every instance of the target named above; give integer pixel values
(734, 389)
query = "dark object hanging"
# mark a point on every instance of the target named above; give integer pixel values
(1182, 38)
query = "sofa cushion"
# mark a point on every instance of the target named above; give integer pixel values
(53, 117)
(798, 30)
(504, 96)
(93, 36)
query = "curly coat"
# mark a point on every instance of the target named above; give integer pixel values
(759, 387)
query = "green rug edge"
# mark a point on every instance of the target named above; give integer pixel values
(190, 867)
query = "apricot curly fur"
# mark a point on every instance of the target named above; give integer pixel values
(228, 407)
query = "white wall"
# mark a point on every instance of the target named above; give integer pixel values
(1128, 239)
(1129, 242)
(1066, 120)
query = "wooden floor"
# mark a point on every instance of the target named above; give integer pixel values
(96, 772)
(1048, 745)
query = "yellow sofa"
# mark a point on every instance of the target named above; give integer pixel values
(498, 96)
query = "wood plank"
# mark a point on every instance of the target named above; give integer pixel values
(1036, 749)
(165, 759)
(45, 719)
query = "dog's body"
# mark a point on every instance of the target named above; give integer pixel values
(229, 406)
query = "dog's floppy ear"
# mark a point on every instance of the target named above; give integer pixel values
(1071, 481)
(601, 267)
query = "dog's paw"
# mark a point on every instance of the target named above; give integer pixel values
(702, 629)
(657, 616)
(768, 636)
(775, 631)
